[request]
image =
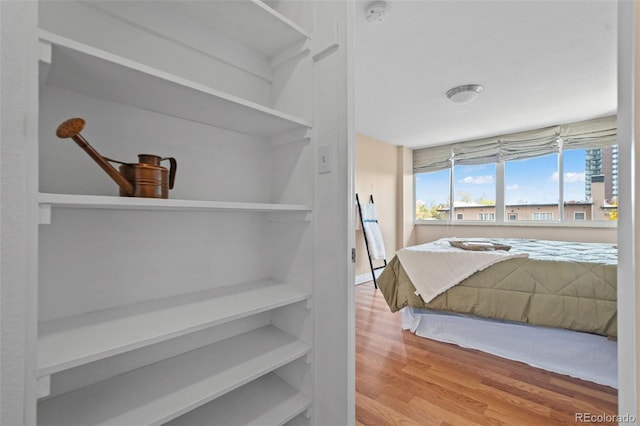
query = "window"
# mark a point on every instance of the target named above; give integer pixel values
(575, 185)
(432, 195)
(475, 190)
(542, 216)
(567, 172)
(590, 184)
(531, 185)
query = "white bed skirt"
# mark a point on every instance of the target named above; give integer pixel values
(582, 355)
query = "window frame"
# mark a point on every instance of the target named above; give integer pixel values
(501, 218)
(533, 214)
(491, 217)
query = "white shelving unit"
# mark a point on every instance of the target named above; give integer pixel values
(144, 304)
(161, 392)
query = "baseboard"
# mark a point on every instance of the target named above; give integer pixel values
(364, 278)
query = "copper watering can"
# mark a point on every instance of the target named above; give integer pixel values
(146, 179)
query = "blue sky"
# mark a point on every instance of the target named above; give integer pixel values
(527, 181)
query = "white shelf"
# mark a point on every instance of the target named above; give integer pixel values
(266, 401)
(246, 22)
(93, 72)
(69, 342)
(163, 391)
(257, 20)
(132, 203)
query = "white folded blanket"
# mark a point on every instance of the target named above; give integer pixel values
(437, 266)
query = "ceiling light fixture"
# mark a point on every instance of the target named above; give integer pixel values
(464, 94)
(376, 11)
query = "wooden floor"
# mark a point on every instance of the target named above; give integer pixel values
(403, 379)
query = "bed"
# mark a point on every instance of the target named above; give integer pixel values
(551, 304)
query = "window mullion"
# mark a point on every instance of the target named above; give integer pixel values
(560, 182)
(500, 207)
(451, 194)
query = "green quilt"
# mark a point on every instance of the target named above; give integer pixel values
(561, 284)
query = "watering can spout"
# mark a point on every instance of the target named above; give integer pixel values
(71, 129)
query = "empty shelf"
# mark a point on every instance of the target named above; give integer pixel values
(246, 22)
(69, 342)
(163, 391)
(266, 401)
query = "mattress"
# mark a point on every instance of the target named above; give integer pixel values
(559, 284)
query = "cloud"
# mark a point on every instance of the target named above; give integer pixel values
(573, 177)
(569, 177)
(478, 180)
(512, 187)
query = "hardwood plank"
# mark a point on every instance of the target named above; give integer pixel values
(418, 412)
(451, 416)
(370, 412)
(402, 379)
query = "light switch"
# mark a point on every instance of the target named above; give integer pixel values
(325, 159)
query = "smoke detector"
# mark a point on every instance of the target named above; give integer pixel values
(377, 11)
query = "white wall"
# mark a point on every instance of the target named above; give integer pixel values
(377, 175)
(334, 343)
(629, 214)
(426, 233)
(384, 171)
(18, 179)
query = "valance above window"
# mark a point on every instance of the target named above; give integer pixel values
(594, 133)
(431, 159)
(590, 133)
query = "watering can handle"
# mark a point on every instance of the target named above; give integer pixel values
(113, 161)
(172, 170)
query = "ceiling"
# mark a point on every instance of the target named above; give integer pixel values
(540, 62)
